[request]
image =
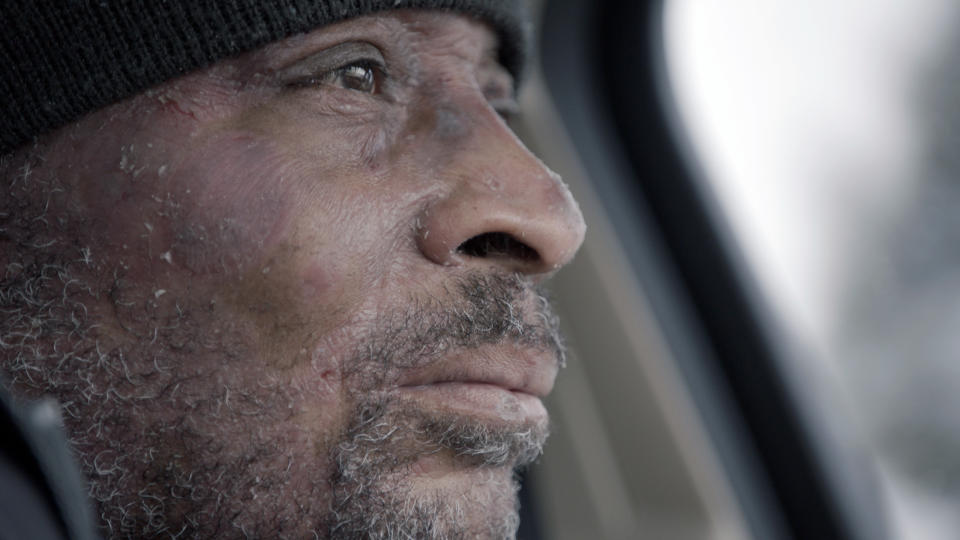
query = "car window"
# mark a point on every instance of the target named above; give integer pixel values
(827, 133)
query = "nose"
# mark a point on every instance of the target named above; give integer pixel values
(504, 206)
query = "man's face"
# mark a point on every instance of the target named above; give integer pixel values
(294, 292)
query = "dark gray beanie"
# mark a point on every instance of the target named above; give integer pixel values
(65, 58)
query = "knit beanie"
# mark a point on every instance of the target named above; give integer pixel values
(62, 59)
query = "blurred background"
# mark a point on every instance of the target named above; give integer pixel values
(823, 139)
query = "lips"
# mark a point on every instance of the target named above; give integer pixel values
(504, 383)
(511, 368)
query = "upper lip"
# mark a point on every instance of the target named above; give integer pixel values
(513, 368)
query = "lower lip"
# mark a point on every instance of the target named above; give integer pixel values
(478, 399)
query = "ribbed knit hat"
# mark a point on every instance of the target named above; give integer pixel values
(62, 59)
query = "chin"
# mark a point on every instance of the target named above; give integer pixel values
(403, 471)
(473, 502)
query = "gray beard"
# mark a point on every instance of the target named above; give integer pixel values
(370, 475)
(157, 472)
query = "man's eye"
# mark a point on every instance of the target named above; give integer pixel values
(363, 76)
(356, 66)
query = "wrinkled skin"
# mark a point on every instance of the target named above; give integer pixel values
(248, 285)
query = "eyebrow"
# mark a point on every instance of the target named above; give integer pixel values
(275, 56)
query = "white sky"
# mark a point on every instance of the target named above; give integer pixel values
(800, 112)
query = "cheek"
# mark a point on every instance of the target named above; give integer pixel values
(283, 241)
(237, 197)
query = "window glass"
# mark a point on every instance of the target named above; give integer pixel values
(829, 134)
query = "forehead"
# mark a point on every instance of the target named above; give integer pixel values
(414, 31)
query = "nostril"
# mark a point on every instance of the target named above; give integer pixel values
(498, 244)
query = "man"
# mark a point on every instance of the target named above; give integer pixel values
(290, 293)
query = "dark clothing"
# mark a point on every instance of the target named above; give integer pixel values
(42, 495)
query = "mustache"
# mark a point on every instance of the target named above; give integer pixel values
(479, 309)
